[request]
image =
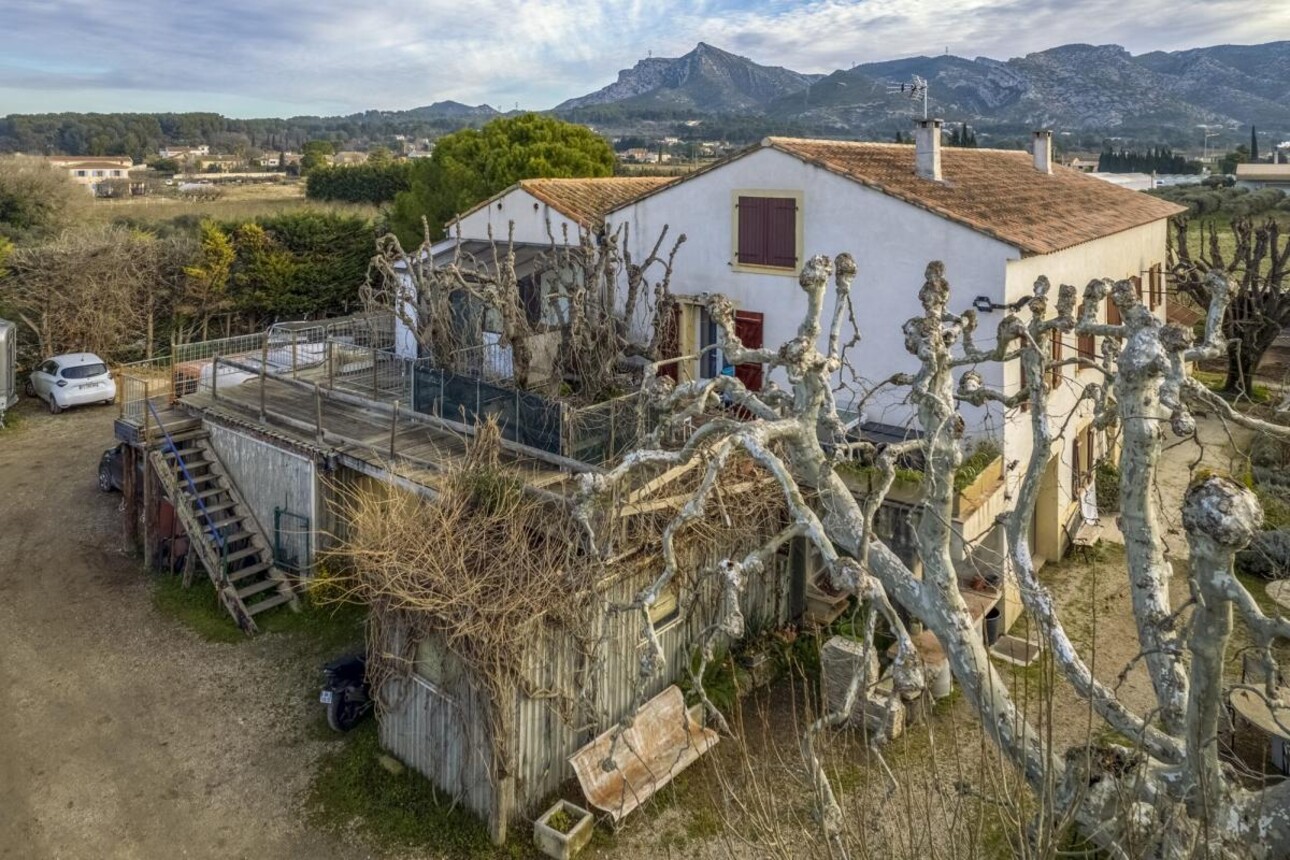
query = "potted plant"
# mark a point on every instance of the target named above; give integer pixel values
(563, 830)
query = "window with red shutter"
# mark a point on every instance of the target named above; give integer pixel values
(1112, 312)
(767, 232)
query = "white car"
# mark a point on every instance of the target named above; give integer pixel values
(74, 379)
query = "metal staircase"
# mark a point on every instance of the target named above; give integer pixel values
(221, 530)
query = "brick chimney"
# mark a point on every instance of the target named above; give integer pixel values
(927, 149)
(1042, 146)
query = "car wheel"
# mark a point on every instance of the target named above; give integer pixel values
(54, 408)
(105, 479)
(29, 389)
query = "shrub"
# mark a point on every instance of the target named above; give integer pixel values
(1267, 556)
(1107, 481)
(974, 464)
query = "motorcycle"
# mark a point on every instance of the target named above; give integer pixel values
(346, 692)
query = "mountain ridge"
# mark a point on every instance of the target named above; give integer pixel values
(1075, 86)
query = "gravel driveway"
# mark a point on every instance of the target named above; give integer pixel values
(123, 734)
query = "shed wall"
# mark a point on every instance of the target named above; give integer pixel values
(546, 737)
(443, 735)
(270, 477)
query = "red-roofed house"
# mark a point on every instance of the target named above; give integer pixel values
(997, 219)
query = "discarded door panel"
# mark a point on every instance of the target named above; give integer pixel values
(663, 741)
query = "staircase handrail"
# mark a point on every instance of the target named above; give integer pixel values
(192, 485)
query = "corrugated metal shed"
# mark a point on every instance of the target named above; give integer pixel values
(570, 693)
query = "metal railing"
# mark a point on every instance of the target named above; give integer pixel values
(215, 533)
(141, 383)
(492, 362)
(603, 432)
(380, 374)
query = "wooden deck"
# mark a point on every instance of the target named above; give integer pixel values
(375, 437)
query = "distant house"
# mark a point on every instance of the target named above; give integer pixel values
(997, 219)
(183, 152)
(1259, 176)
(221, 163)
(349, 158)
(638, 155)
(93, 172)
(1130, 181)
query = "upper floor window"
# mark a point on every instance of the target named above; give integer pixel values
(767, 231)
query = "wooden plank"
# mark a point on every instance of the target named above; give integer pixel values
(677, 501)
(662, 480)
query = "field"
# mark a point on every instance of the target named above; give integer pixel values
(236, 203)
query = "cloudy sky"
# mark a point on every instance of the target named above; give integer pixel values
(284, 57)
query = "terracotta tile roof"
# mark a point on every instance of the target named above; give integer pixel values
(994, 191)
(588, 201)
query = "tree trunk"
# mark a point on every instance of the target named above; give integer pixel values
(1241, 362)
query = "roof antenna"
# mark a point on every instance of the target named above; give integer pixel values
(914, 90)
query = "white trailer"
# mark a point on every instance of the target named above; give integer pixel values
(8, 366)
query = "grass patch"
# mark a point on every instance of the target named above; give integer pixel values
(331, 627)
(196, 608)
(352, 791)
(1214, 382)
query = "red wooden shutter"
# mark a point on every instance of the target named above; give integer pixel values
(1086, 347)
(1112, 312)
(782, 244)
(767, 231)
(670, 345)
(1056, 345)
(1157, 292)
(1137, 285)
(749, 329)
(1077, 463)
(753, 217)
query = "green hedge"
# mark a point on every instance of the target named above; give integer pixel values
(360, 183)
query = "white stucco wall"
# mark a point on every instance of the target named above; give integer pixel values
(1118, 257)
(530, 215)
(891, 241)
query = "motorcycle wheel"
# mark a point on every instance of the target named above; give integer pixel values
(342, 714)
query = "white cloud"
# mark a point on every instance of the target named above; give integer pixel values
(327, 55)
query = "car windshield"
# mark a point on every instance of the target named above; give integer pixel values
(84, 371)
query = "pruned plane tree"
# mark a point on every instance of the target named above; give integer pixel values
(1166, 794)
(598, 341)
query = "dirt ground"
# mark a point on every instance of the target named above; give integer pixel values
(123, 734)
